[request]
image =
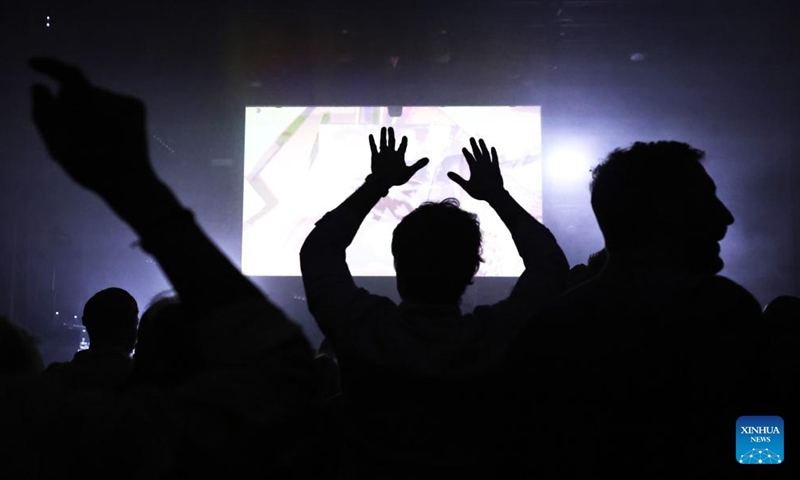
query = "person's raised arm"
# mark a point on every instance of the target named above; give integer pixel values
(327, 280)
(389, 169)
(546, 267)
(99, 138)
(256, 366)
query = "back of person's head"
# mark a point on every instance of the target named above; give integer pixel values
(19, 351)
(166, 353)
(111, 317)
(659, 193)
(783, 309)
(437, 251)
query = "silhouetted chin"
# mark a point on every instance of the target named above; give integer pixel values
(704, 258)
(714, 265)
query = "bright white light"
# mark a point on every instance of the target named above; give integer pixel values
(568, 165)
(284, 197)
(56, 313)
(47, 21)
(74, 316)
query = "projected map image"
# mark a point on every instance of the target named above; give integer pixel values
(301, 162)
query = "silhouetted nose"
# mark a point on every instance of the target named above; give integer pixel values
(725, 214)
(723, 218)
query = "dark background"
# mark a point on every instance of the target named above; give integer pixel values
(721, 75)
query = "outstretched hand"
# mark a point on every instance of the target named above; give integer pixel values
(97, 136)
(389, 164)
(485, 181)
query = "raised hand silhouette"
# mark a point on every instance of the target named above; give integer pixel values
(424, 352)
(485, 181)
(389, 164)
(97, 136)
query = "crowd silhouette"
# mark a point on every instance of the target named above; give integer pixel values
(637, 363)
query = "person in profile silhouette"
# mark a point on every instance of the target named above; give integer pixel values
(647, 358)
(111, 318)
(418, 391)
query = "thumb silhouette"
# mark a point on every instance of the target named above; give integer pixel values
(418, 165)
(458, 179)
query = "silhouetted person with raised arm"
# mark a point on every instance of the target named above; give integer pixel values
(418, 379)
(644, 369)
(111, 319)
(245, 411)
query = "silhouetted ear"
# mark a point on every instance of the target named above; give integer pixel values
(396, 272)
(401, 286)
(670, 218)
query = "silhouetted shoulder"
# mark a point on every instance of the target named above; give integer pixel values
(730, 296)
(576, 302)
(54, 366)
